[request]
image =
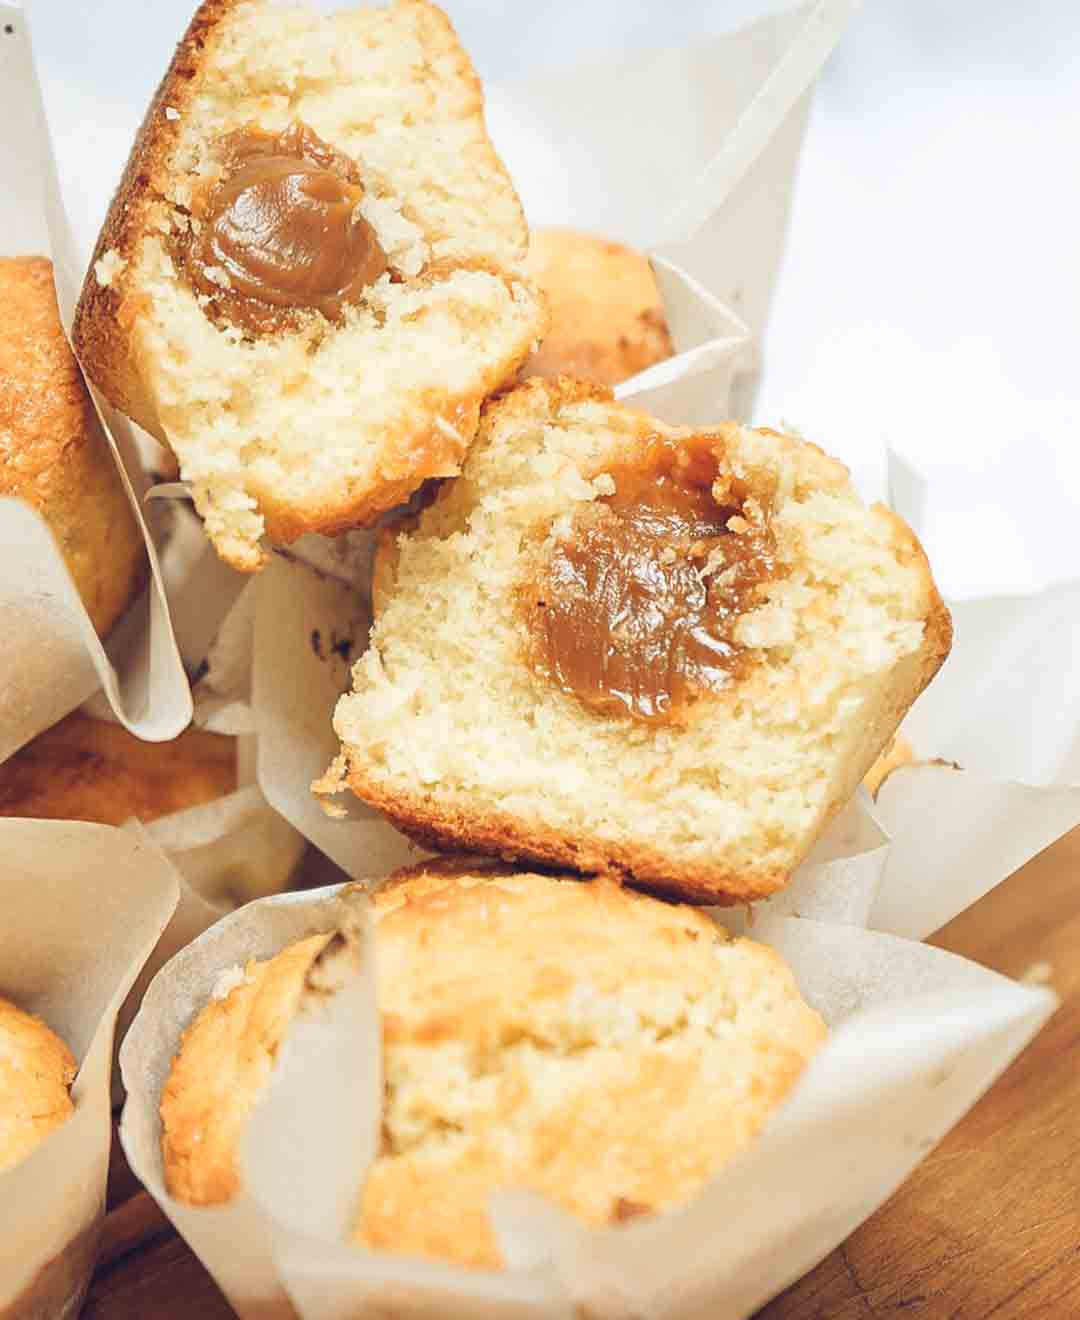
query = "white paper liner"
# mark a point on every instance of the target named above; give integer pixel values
(53, 658)
(228, 1239)
(713, 345)
(231, 850)
(83, 905)
(201, 587)
(918, 1035)
(703, 115)
(308, 627)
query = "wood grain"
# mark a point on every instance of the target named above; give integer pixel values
(988, 1226)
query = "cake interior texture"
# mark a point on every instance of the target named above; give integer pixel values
(456, 731)
(321, 422)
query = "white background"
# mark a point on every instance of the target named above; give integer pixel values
(930, 289)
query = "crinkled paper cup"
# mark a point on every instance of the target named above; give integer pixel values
(53, 658)
(83, 906)
(917, 1036)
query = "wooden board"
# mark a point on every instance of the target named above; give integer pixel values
(987, 1226)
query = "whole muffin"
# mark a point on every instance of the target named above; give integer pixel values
(604, 1049)
(36, 1070)
(53, 452)
(87, 769)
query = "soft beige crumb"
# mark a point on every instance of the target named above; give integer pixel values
(464, 742)
(323, 425)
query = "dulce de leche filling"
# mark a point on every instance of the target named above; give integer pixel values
(634, 612)
(281, 230)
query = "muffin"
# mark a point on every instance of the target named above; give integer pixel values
(619, 646)
(36, 1072)
(607, 321)
(53, 452)
(311, 275)
(86, 769)
(599, 1047)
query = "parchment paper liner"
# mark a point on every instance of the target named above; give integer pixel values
(918, 1035)
(83, 905)
(53, 658)
(228, 1239)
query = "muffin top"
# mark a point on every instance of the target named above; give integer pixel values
(604, 1049)
(36, 1070)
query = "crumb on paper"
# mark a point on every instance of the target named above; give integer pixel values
(171, 112)
(450, 431)
(108, 266)
(1039, 973)
(332, 782)
(604, 484)
(228, 980)
(335, 964)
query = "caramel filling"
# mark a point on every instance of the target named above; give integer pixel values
(634, 613)
(281, 230)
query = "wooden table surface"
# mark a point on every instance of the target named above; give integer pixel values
(987, 1226)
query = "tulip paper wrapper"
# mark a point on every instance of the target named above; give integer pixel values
(53, 658)
(917, 1036)
(83, 905)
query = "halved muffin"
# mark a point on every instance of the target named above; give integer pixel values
(621, 646)
(310, 277)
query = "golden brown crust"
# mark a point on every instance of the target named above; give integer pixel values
(223, 1061)
(101, 330)
(85, 769)
(553, 1034)
(435, 823)
(607, 320)
(36, 1072)
(53, 452)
